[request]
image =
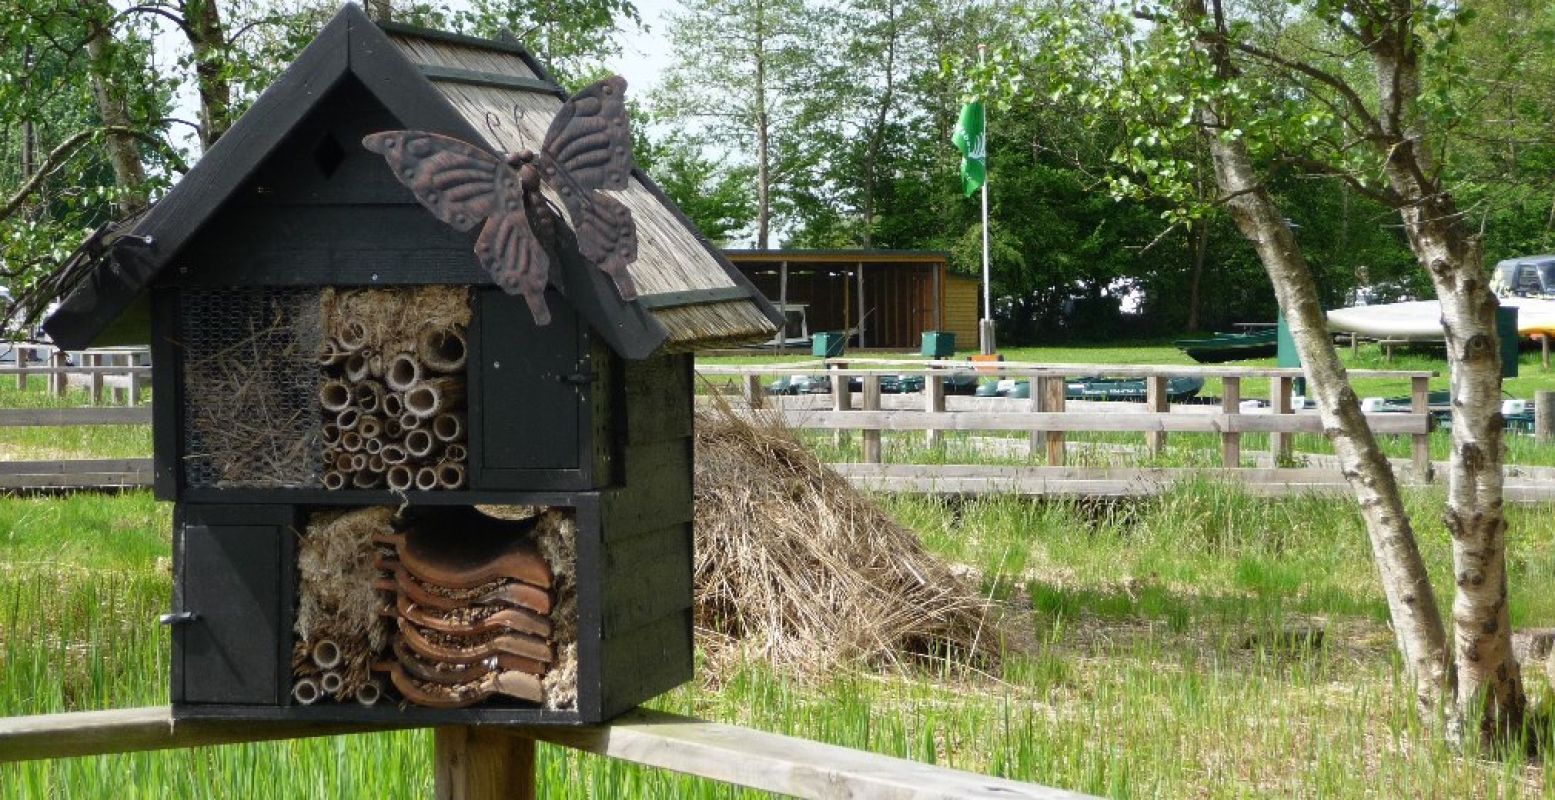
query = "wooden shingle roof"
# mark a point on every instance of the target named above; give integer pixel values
(491, 93)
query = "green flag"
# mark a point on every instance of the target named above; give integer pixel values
(972, 140)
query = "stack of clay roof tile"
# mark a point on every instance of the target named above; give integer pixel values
(471, 602)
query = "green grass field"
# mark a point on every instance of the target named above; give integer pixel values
(1147, 654)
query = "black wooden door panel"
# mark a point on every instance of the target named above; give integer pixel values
(533, 393)
(232, 582)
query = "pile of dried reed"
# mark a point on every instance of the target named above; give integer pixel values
(795, 565)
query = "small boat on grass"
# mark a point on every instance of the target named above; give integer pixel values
(1222, 347)
(1123, 390)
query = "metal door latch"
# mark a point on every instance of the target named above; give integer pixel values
(582, 377)
(178, 617)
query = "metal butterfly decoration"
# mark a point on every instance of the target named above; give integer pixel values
(588, 147)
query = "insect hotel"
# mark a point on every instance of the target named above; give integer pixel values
(423, 392)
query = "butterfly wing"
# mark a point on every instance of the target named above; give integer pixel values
(590, 138)
(510, 252)
(456, 181)
(587, 148)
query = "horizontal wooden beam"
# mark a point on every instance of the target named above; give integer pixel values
(496, 80)
(57, 417)
(1019, 369)
(694, 297)
(1093, 421)
(100, 370)
(720, 752)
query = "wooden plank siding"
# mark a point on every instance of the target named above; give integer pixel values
(961, 299)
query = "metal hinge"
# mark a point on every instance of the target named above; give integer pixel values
(178, 617)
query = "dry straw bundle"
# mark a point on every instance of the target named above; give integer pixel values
(803, 569)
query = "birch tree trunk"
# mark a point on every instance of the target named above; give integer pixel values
(1417, 624)
(108, 95)
(1489, 681)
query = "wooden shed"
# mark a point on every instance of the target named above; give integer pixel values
(319, 339)
(884, 298)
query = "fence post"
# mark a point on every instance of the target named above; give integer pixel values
(871, 435)
(1051, 390)
(1544, 416)
(1544, 350)
(1279, 403)
(23, 352)
(753, 391)
(934, 403)
(1420, 403)
(58, 380)
(482, 763)
(1231, 403)
(1156, 401)
(1037, 404)
(841, 399)
(94, 361)
(135, 381)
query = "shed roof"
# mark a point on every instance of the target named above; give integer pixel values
(856, 256)
(492, 93)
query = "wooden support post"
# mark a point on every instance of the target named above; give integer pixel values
(1231, 403)
(841, 399)
(482, 763)
(1156, 401)
(783, 305)
(934, 403)
(861, 310)
(121, 394)
(871, 436)
(754, 394)
(1544, 351)
(137, 379)
(1544, 417)
(58, 380)
(1279, 403)
(23, 352)
(95, 378)
(1037, 437)
(1354, 345)
(1420, 403)
(1053, 400)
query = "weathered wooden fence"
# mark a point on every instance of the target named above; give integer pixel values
(488, 762)
(121, 371)
(1048, 417)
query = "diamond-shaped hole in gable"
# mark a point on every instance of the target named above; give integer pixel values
(328, 155)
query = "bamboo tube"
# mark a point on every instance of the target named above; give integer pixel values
(457, 453)
(448, 426)
(347, 419)
(362, 479)
(306, 691)
(419, 443)
(359, 462)
(426, 479)
(401, 478)
(375, 365)
(331, 682)
(375, 464)
(430, 397)
(369, 693)
(331, 354)
(373, 446)
(404, 372)
(394, 454)
(369, 396)
(450, 475)
(334, 395)
(326, 653)
(442, 349)
(343, 463)
(393, 404)
(370, 427)
(409, 422)
(391, 428)
(331, 433)
(351, 441)
(353, 337)
(334, 480)
(356, 367)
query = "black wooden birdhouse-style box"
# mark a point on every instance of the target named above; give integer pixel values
(422, 392)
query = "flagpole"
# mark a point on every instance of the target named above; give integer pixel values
(985, 329)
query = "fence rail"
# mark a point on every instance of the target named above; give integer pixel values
(498, 761)
(121, 371)
(1048, 415)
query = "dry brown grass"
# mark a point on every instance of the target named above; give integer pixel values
(795, 565)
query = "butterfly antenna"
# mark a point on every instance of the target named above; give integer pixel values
(493, 122)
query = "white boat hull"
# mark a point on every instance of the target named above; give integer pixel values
(1421, 320)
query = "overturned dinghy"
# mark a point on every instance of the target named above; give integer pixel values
(1421, 320)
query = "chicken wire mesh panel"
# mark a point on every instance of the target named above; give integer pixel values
(251, 417)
